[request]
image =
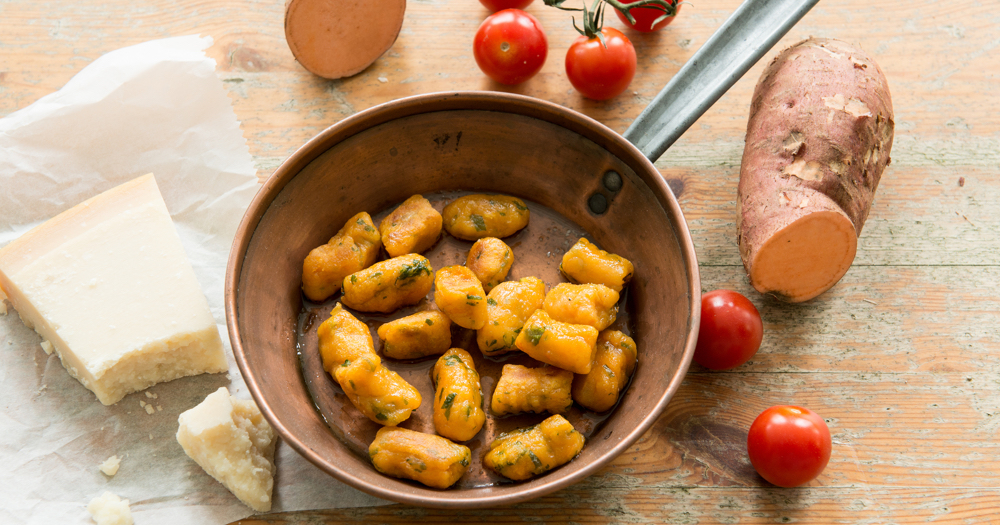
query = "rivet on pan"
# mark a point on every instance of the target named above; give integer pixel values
(598, 203)
(612, 181)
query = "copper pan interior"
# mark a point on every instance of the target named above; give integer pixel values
(442, 146)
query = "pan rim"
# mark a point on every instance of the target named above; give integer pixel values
(449, 101)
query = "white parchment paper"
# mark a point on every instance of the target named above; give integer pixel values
(155, 107)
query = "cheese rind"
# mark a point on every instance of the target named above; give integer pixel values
(108, 285)
(230, 439)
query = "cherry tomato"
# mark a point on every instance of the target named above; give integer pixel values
(730, 332)
(601, 72)
(510, 46)
(500, 5)
(645, 16)
(788, 445)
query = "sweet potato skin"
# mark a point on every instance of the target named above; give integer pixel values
(818, 139)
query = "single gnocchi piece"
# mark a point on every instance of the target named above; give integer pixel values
(348, 354)
(354, 248)
(565, 345)
(521, 389)
(459, 294)
(508, 306)
(590, 304)
(390, 284)
(458, 403)
(586, 263)
(528, 452)
(413, 227)
(473, 217)
(381, 394)
(490, 259)
(343, 338)
(415, 336)
(613, 366)
(432, 460)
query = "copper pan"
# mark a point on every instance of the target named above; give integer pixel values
(578, 177)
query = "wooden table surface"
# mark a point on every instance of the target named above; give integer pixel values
(901, 358)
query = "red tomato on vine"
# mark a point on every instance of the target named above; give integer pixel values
(601, 67)
(646, 17)
(500, 5)
(510, 46)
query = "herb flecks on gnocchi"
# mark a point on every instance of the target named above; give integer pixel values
(355, 247)
(390, 284)
(473, 217)
(490, 259)
(565, 345)
(432, 460)
(413, 227)
(458, 403)
(586, 263)
(613, 366)
(590, 304)
(459, 294)
(348, 354)
(415, 336)
(522, 389)
(508, 306)
(527, 452)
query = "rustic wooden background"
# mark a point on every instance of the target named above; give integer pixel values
(902, 358)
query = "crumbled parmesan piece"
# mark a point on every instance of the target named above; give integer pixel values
(47, 346)
(109, 509)
(110, 466)
(231, 441)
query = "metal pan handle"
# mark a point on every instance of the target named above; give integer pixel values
(751, 31)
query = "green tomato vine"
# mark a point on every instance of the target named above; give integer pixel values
(593, 19)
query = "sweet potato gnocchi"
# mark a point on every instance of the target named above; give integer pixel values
(458, 404)
(586, 263)
(527, 452)
(388, 285)
(522, 389)
(412, 227)
(432, 460)
(564, 332)
(590, 304)
(490, 259)
(508, 306)
(568, 346)
(613, 366)
(473, 217)
(459, 294)
(354, 248)
(349, 356)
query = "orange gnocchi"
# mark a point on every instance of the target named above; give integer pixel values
(476, 216)
(586, 263)
(390, 284)
(568, 346)
(355, 247)
(414, 226)
(527, 452)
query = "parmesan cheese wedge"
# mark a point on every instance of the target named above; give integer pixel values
(108, 285)
(230, 439)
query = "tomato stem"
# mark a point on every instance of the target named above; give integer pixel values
(593, 19)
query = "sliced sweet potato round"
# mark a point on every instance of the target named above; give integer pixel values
(339, 38)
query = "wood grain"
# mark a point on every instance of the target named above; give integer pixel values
(900, 357)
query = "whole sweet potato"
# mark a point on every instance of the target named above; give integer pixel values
(818, 139)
